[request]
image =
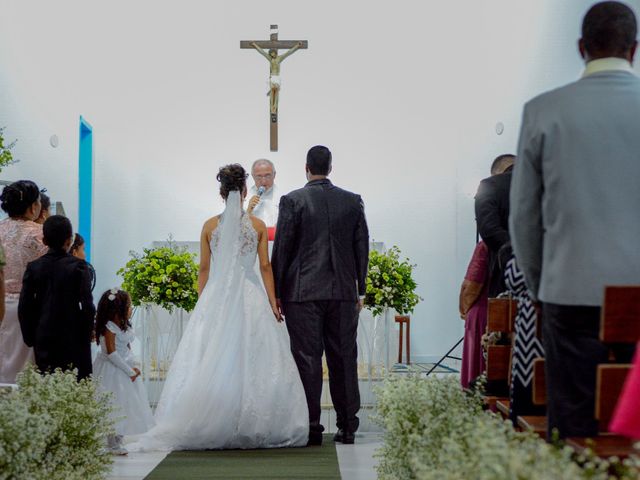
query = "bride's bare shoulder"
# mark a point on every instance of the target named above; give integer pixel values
(258, 224)
(211, 224)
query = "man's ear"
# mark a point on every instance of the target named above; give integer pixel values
(632, 52)
(582, 50)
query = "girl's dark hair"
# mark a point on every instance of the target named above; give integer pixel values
(232, 177)
(114, 304)
(45, 201)
(18, 197)
(78, 241)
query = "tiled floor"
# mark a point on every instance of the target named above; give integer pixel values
(356, 461)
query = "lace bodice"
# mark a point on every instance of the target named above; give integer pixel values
(248, 241)
(22, 243)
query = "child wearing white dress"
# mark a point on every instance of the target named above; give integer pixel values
(116, 368)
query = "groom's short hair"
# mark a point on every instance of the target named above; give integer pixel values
(319, 160)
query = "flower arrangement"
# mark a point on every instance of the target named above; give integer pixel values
(435, 430)
(54, 428)
(390, 283)
(6, 157)
(165, 276)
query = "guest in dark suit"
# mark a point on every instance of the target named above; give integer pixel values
(320, 259)
(492, 218)
(56, 308)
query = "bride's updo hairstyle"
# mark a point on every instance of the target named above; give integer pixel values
(232, 177)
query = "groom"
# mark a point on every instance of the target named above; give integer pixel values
(320, 258)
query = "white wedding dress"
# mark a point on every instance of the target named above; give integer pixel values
(233, 382)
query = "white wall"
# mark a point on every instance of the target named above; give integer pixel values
(406, 94)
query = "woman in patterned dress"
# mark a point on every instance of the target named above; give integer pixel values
(526, 347)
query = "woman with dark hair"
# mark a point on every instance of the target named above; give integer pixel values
(233, 382)
(77, 250)
(45, 206)
(21, 238)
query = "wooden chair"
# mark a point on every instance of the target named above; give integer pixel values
(402, 320)
(619, 324)
(501, 314)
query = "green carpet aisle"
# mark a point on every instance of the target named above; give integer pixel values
(319, 463)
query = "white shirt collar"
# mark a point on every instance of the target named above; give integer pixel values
(606, 65)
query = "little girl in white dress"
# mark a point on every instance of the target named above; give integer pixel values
(116, 368)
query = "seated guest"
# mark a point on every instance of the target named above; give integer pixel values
(21, 239)
(473, 309)
(45, 207)
(56, 308)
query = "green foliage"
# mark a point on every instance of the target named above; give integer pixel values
(164, 276)
(390, 283)
(6, 157)
(435, 430)
(53, 427)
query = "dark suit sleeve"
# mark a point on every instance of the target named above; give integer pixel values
(28, 308)
(490, 228)
(361, 249)
(286, 231)
(84, 279)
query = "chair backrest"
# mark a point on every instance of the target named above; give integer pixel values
(501, 314)
(620, 317)
(539, 383)
(498, 362)
(610, 380)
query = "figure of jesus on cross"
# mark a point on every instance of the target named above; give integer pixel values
(273, 45)
(274, 74)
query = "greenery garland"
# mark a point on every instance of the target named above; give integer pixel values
(165, 276)
(390, 283)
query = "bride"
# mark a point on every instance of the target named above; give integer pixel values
(233, 382)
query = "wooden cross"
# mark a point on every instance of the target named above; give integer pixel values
(273, 45)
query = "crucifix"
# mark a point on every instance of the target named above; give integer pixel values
(273, 45)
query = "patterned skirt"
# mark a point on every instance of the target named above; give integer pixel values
(526, 347)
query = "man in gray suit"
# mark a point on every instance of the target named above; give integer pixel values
(575, 208)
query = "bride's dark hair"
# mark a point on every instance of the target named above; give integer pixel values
(232, 177)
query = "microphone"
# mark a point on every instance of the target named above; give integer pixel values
(261, 190)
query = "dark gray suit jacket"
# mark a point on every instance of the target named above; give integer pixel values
(321, 249)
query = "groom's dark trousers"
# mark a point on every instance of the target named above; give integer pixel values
(332, 324)
(320, 259)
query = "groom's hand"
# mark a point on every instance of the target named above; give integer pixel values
(279, 305)
(360, 304)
